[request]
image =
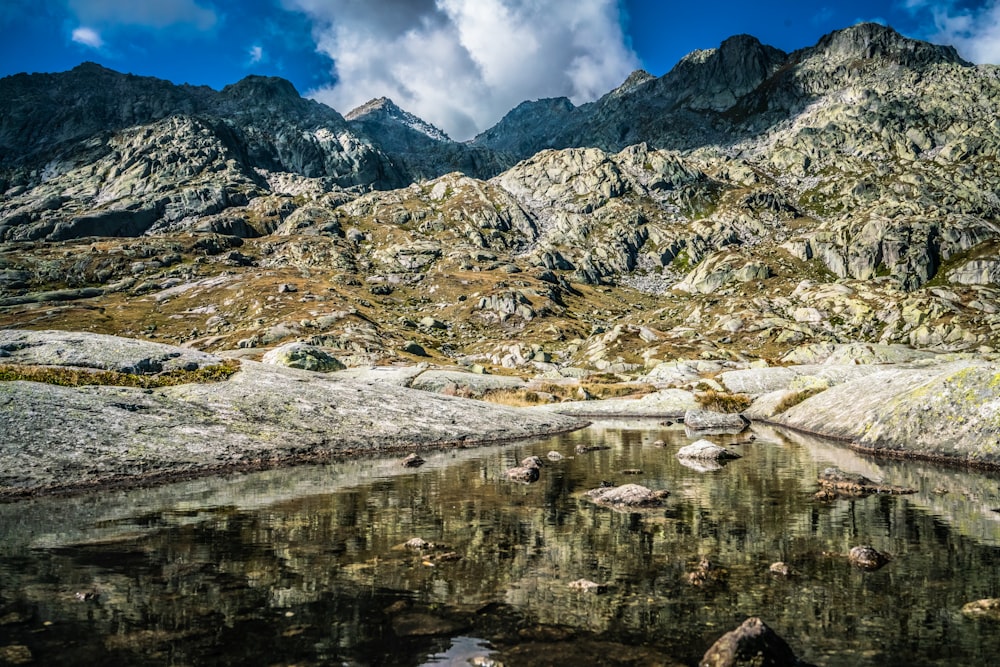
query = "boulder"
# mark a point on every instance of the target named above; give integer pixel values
(705, 451)
(753, 644)
(715, 422)
(666, 403)
(304, 356)
(867, 557)
(988, 608)
(627, 497)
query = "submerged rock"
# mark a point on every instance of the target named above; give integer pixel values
(989, 608)
(627, 496)
(412, 461)
(753, 644)
(844, 483)
(587, 586)
(525, 473)
(781, 569)
(867, 557)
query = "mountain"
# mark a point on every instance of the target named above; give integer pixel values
(419, 149)
(748, 204)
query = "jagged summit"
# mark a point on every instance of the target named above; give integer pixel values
(716, 78)
(262, 89)
(633, 81)
(867, 41)
(382, 109)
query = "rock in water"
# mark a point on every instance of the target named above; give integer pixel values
(704, 450)
(989, 607)
(753, 644)
(867, 557)
(525, 473)
(709, 420)
(627, 496)
(412, 461)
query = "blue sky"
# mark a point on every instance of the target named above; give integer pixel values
(460, 64)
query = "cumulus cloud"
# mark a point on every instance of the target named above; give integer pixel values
(462, 64)
(147, 13)
(974, 31)
(87, 37)
(256, 54)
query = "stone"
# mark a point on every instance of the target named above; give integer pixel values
(412, 461)
(414, 348)
(780, 569)
(304, 356)
(866, 557)
(554, 456)
(418, 543)
(752, 644)
(587, 586)
(627, 497)
(716, 422)
(705, 450)
(856, 484)
(988, 608)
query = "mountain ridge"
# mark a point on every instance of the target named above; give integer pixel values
(748, 200)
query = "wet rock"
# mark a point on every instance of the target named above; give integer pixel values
(554, 456)
(843, 483)
(627, 496)
(659, 443)
(412, 461)
(753, 644)
(867, 557)
(525, 473)
(716, 422)
(587, 586)
(15, 654)
(586, 449)
(780, 569)
(987, 608)
(706, 451)
(707, 572)
(303, 356)
(418, 543)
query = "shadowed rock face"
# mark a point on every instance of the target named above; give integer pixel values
(753, 644)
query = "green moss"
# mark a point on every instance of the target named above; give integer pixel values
(75, 377)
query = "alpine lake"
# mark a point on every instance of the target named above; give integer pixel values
(307, 565)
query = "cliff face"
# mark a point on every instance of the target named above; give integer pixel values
(757, 199)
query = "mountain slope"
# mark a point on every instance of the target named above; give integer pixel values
(747, 202)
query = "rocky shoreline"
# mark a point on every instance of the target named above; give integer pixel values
(57, 438)
(70, 438)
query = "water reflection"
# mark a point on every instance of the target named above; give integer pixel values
(307, 565)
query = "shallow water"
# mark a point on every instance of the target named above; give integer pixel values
(304, 565)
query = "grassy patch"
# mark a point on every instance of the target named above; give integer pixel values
(517, 398)
(79, 377)
(723, 402)
(795, 398)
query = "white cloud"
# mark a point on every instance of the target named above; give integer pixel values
(87, 37)
(256, 54)
(975, 32)
(462, 64)
(148, 13)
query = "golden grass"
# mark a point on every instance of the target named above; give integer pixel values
(722, 401)
(517, 398)
(79, 377)
(793, 399)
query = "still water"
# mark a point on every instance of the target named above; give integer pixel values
(305, 565)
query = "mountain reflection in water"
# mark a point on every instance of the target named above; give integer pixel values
(307, 565)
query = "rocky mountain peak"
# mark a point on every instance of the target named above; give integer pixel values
(262, 89)
(634, 80)
(382, 110)
(714, 79)
(868, 41)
